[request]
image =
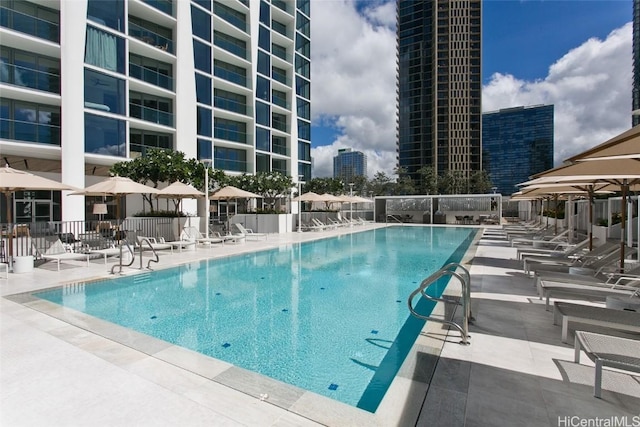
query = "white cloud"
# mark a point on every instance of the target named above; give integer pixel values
(354, 86)
(590, 88)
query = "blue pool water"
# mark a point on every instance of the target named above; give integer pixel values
(328, 316)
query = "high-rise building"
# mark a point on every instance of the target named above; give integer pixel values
(348, 164)
(88, 83)
(439, 85)
(517, 143)
(635, 91)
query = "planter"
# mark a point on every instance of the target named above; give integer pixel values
(23, 264)
(601, 233)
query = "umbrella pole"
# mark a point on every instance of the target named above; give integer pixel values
(590, 191)
(623, 218)
(7, 196)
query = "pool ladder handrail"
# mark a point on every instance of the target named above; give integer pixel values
(465, 281)
(398, 220)
(155, 258)
(119, 265)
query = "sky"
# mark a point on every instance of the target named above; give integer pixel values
(574, 54)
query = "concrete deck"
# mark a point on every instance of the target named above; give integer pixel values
(59, 368)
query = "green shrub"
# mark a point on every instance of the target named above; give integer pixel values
(160, 214)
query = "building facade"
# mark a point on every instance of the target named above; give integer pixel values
(88, 83)
(439, 85)
(517, 143)
(348, 164)
(635, 90)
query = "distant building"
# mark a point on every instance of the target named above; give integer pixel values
(517, 143)
(635, 91)
(348, 164)
(439, 47)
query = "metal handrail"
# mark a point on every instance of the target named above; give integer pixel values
(119, 265)
(141, 241)
(398, 220)
(465, 281)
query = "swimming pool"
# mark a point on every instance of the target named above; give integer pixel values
(329, 316)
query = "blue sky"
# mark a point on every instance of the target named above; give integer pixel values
(573, 54)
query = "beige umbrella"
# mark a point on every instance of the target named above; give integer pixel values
(116, 186)
(12, 180)
(623, 146)
(178, 191)
(232, 193)
(309, 197)
(621, 172)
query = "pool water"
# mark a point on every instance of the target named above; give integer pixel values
(329, 316)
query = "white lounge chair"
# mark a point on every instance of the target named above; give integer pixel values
(571, 290)
(57, 252)
(607, 350)
(249, 234)
(193, 234)
(620, 320)
(146, 242)
(110, 251)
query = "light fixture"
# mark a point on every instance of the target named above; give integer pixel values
(99, 208)
(207, 163)
(300, 178)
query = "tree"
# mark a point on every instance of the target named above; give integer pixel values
(404, 183)
(480, 182)
(324, 185)
(381, 184)
(272, 186)
(451, 182)
(428, 180)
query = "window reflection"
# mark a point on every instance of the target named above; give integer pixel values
(108, 13)
(103, 92)
(104, 135)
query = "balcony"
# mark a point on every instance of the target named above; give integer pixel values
(151, 76)
(230, 76)
(31, 25)
(152, 115)
(229, 105)
(229, 135)
(165, 6)
(149, 37)
(24, 131)
(31, 78)
(230, 165)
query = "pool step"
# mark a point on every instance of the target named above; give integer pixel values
(141, 278)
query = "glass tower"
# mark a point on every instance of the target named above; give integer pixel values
(227, 80)
(517, 143)
(348, 164)
(635, 94)
(439, 85)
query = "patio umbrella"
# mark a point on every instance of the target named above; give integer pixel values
(230, 192)
(621, 172)
(309, 197)
(178, 191)
(623, 146)
(116, 186)
(329, 199)
(12, 180)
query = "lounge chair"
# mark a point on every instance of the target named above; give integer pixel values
(194, 235)
(620, 320)
(607, 350)
(562, 263)
(603, 277)
(110, 251)
(249, 234)
(146, 242)
(57, 252)
(545, 240)
(561, 249)
(576, 290)
(321, 224)
(179, 244)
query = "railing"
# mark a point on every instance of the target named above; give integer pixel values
(151, 114)
(119, 265)
(230, 76)
(142, 241)
(394, 218)
(31, 25)
(149, 37)
(151, 76)
(31, 78)
(230, 105)
(162, 5)
(465, 280)
(29, 131)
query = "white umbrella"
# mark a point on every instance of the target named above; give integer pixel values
(309, 197)
(12, 180)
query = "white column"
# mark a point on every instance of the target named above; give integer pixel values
(73, 16)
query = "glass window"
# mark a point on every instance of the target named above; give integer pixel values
(230, 72)
(31, 70)
(230, 159)
(103, 92)
(204, 3)
(264, 63)
(263, 136)
(304, 130)
(204, 149)
(304, 6)
(265, 12)
(104, 50)
(263, 114)
(303, 46)
(204, 121)
(230, 130)
(279, 145)
(151, 71)
(203, 89)
(230, 101)
(108, 13)
(304, 109)
(104, 135)
(151, 108)
(25, 121)
(263, 88)
(303, 66)
(303, 25)
(279, 121)
(201, 23)
(279, 165)
(279, 75)
(142, 140)
(202, 56)
(279, 98)
(264, 38)
(304, 151)
(232, 16)
(303, 88)
(263, 162)
(230, 44)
